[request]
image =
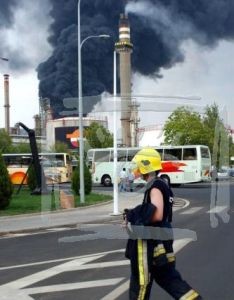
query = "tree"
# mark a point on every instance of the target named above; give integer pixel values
(184, 127)
(21, 148)
(217, 136)
(98, 136)
(6, 188)
(76, 180)
(5, 142)
(32, 179)
(60, 147)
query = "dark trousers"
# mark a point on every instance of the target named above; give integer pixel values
(165, 276)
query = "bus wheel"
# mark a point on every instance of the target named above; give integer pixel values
(166, 179)
(106, 180)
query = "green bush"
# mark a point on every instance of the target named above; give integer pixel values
(76, 180)
(6, 188)
(32, 180)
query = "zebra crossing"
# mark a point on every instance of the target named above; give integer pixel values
(112, 284)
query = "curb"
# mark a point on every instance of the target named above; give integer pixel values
(59, 211)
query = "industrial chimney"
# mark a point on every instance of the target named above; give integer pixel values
(7, 103)
(38, 127)
(124, 48)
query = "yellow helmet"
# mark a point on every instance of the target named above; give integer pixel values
(147, 160)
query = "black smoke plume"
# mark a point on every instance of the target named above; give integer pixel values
(6, 9)
(6, 19)
(158, 29)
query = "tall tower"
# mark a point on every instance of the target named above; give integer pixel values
(7, 102)
(124, 48)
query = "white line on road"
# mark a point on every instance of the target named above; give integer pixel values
(60, 259)
(217, 209)
(178, 245)
(117, 292)
(18, 286)
(191, 210)
(72, 286)
(36, 277)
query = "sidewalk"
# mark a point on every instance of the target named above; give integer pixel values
(95, 213)
(99, 213)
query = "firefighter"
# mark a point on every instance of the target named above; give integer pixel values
(153, 259)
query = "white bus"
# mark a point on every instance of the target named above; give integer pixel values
(181, 164)
(57, 166)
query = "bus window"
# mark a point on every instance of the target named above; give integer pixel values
(68, 159)
(160, 151)
(122, 155)
(172, 154)
(131, 154)
(189, 154)
(102, 156)
(26, 160)
(90, 154)
(14, 161)
(205, 152)
(17, 161)
(60, 160)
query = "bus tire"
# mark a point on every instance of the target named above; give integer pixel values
(106, 180)
(166, 178)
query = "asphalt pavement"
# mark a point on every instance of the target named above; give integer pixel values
(102, 212)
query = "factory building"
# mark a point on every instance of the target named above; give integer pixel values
(66, 130)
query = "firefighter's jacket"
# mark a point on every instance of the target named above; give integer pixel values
(159, 235)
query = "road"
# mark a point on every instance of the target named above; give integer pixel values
(88, 262)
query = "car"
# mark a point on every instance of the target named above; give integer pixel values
(231, 172)
(223, 174)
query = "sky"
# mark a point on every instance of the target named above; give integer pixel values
(206, 73)
(25, 44)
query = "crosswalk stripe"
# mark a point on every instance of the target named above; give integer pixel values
(20, 286)
(118, 291)
(217, 209)
(61, 259)
(191, 210)
(73, 286)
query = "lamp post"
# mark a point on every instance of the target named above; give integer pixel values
(80, 101)
(115, 175)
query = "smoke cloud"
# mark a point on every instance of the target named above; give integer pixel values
(23, 31)
(158, 30)
(6, 12)
(58, 75)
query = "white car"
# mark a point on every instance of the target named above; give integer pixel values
(223, 175)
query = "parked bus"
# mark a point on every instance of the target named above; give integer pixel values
(181, 164)
(57, 166)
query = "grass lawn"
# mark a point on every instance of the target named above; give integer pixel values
(24, 202)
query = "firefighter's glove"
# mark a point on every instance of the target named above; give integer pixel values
(125, 217)
(125, 214)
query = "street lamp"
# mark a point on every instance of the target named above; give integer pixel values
(80, 101)
(115, 175)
